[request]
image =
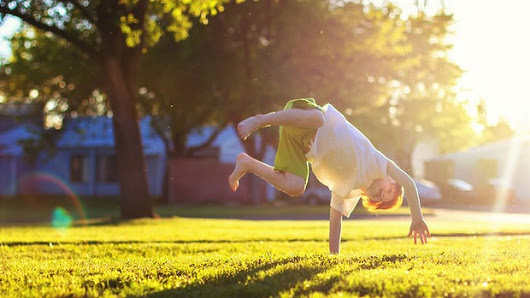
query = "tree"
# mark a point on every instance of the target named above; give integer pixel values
(388, 75)
(114, 34)
(194, 81)
(492, 132)
(424, 100)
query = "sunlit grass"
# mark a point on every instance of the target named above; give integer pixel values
(31, 210)
(221, 257)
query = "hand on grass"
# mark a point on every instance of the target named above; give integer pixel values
(419, 228)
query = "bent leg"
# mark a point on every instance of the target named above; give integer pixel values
(335, 228)
(288, 183)
(312, 118)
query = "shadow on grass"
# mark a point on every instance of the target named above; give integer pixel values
(95, 242)
(287, 276)
(243, 241)
(257, 280)
(38, 210)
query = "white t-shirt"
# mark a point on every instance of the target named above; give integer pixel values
(344, 160)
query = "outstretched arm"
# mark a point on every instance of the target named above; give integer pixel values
(312, 118)
(418, 226)
(335, 227)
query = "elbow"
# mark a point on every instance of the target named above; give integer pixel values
(319, 119)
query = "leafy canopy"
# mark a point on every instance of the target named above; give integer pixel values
(53, 54)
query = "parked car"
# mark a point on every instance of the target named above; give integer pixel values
(494, 190)
(320, 195)
(316, 195)
(458, 190)
(428, 192)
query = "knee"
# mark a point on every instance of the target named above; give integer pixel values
(297, 189)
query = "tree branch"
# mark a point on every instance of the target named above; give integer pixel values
(52, 29)
(160, 131)
(207, 143)
(82, 9)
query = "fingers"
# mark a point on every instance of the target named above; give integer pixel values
(423, 237)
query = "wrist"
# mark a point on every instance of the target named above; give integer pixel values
(417, 218)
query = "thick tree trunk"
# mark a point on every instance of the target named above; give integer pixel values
(134, 194)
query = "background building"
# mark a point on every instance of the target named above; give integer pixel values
(504, 163)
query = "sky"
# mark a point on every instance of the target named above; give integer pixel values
(491, 45)
(7, 29)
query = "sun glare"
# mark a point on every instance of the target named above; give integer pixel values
(507, 175)
(494, 57)
(490, 46)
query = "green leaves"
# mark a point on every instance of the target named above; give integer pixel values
(132, 36)
(179, 22)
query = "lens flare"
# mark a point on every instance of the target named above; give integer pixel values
(61, 219)
(31, 181)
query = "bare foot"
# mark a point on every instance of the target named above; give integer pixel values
(238, 172)
(246, 127)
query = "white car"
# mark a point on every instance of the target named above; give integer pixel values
(320, 195)
(428, 191)
(316, 195)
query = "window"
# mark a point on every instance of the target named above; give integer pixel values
(106, 170)
(79, 168)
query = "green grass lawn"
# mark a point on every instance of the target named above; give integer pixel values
(186, 257)
(32, 210)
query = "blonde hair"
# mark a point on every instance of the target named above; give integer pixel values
(395, 203)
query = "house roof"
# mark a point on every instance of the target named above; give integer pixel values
(489, 148)
(228, 141)
(15, 114)
(97, 132)
(79, 132)
(9, 140)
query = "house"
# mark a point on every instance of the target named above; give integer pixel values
(83, 161)
(12, 114)
(204, 180)
(423, 151)
(506, 162)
